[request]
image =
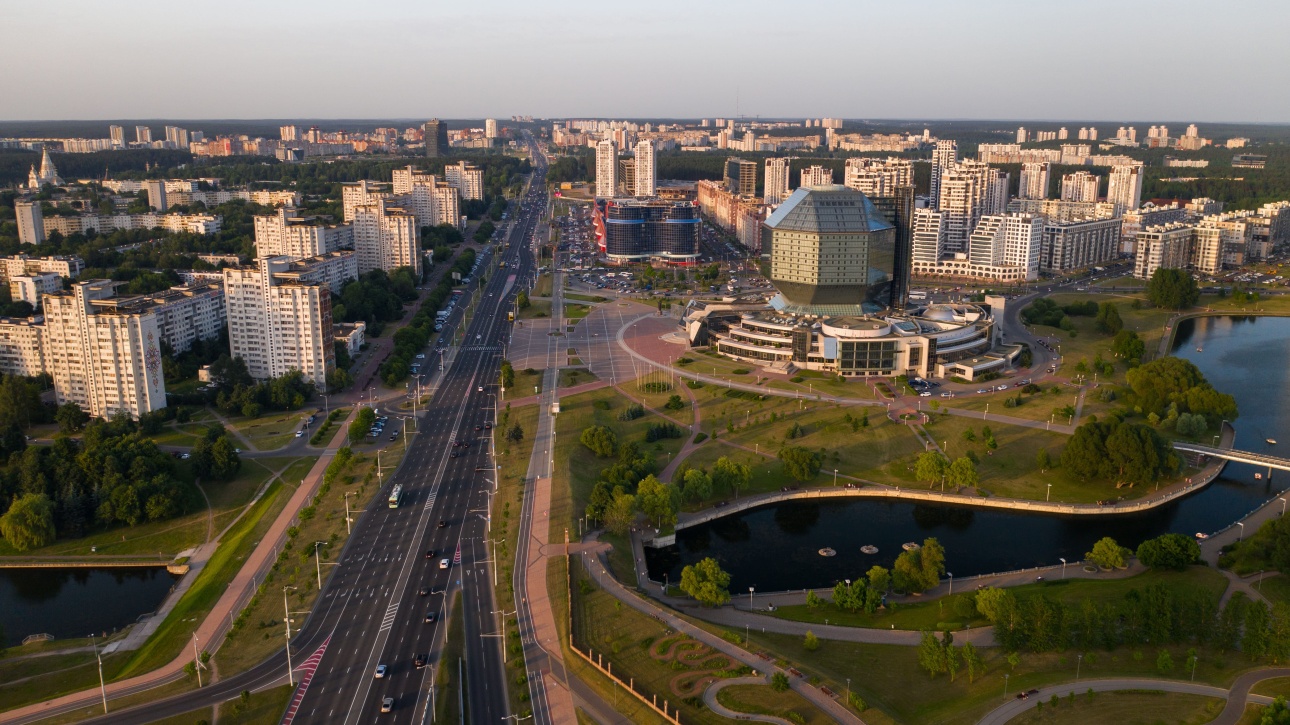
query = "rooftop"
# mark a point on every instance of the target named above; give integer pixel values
(831, 209)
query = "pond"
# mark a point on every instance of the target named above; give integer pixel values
(76, 602)
(775, 547)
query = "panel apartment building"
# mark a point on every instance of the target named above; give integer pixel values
(279, 319)
(104, 358)
(288, 234)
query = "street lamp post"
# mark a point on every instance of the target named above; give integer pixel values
(750, 597)
(318, 563)
(1242, 525)
(835, 477)
(1079, 660)
(286, 619)
(950, 574)
(1062, 559)
(348, 519)
(102, 684)
(1005, 685)
(1283, 505)
(1049, 497)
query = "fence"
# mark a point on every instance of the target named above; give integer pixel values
(37, 638)
(672, 716)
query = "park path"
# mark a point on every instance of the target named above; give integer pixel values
(598, 569)
(710, 699)
(210, 632)
(1236, 698)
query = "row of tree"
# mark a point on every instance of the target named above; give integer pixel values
(413, 337)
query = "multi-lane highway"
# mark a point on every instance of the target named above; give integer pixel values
(391, 574)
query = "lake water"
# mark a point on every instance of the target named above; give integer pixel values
(77, 602)
(775, 548)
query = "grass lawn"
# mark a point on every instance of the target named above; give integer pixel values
(889, 679)
(446, 680)
(1012, 469)
(536, 309)
(542, 288)
(507, 505)
(524, 383)
(575, 463)
(761, 700)
(1275, 588)
(574, 311)
(585, 298)
(1275, 687)
(271, 430)
(1042, 407)
(934, 613)
(1127, 707)
(257, 630)
(570, 377)
(1127, 280)
(660, 662)
(657, 399)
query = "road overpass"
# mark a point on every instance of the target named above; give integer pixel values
(1231, 454)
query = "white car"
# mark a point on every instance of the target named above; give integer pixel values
(421, 356)
(443, 564)
(380, 672)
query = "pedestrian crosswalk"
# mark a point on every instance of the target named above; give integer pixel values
(390, 613)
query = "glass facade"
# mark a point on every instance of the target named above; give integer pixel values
(858, 357)
(639, 230)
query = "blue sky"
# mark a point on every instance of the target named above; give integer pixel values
(1013, 59)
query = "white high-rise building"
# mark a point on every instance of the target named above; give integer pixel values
(1035, 179)
(289, 133)
(945, 154)
(117, 135)
(968, 191)
(1021, 134)
(278, 322)
(386, 236)
(31, 222)
(107, 361)
(646, 172)
(177, 137)
(142, 134)
(363, 192)
(22, 346)
(878, 177)
(817, 176)
(606, 169)
(1080, 186)
(286, 234)
(490, 128)
(1125, 187)
(928, 236)
(775, 187)
(30, 288)
(433, 202)
(156, 189)
(467, 179)
(1008, 240)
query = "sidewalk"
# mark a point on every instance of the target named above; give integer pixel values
(210, 633)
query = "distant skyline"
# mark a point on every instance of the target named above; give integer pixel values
(1182, 61)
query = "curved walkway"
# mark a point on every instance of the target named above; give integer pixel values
(710, 699)
(1237, 697)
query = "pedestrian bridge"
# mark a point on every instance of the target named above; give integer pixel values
(1231, 454)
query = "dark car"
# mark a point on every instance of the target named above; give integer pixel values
(419, 661)
(429, 553)
(430, 617)
(423, 592)
(442, 523)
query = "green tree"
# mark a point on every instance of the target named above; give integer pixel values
(1043, 460)
(599, 440)
(1164, 662)
(800, 463)
(674, 403)
(1108, 318)
(1169, 551)
(1172, 289)
(224, 460)
(29, 522)
(879, 578)
(1107, 554)
(731, 475)
(706, 582)
(1128, 346)
(522, 300)
(620, 512)
(972, 660)
(507, 375)
(931, 467)
(1278, 713)
(779, 682)
(362, 423)
(931, 654)
(70, 418)
(658, 501)
(515, 433)
(810, 642)
(698, 485)
(963, 473)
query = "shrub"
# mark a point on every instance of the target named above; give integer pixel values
(631, 412)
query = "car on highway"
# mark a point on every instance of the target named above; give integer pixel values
(380, 672)
(442, 523)
(423, 592)
(430, 553)
(430, 617)
(479, 389)
(443, 563)
(387, 705)
(925, 394)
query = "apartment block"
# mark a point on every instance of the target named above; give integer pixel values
(279, 321)
(386, 236)
(105, 359)
(1167, 246)
(646, 172)
(1008, 240)
(286, 234)
(968, 191)
(22, 346)
(21, 265)
(31, 222)
(1034, 180)
(1125, 187)
(29, 288)
(606, 169)
(775, 187)
(467, 179)
(1067, 246)
(188, 313)
(817, 176)
(945, 155)
(1080, 186)
(431, 201)
(204, 224)
(740, 177)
